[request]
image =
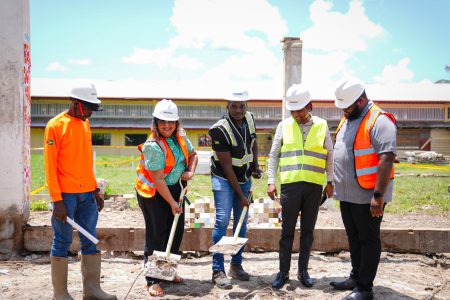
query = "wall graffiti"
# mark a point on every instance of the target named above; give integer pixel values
(26, 115)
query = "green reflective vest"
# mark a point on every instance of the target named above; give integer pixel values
(300, 162)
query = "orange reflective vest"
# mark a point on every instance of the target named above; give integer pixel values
(144, 182)
(366, 159)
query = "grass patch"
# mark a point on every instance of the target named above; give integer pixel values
(411, 194)
(420, 194)
(39, 205)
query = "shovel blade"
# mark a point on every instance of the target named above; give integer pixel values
(227, 245)
(174, 257)
(162, 267)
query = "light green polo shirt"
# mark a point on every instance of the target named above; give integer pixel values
(155, 159)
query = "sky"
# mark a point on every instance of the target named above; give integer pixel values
(239, 41)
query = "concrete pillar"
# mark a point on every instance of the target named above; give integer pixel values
(15, 104)
(292, 48)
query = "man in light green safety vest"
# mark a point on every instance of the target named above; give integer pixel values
(303, 149)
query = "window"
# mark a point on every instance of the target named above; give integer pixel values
(101, 139)
(204, 140)
(135, 139)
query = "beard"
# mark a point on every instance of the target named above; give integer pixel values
(355, 113)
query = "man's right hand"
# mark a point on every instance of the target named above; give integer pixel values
(272, 191)
(244, 202)
(176, 209)
(59, 211)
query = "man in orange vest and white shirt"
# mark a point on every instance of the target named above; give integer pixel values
(363, 176)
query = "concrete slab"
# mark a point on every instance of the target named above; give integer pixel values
(421, 240)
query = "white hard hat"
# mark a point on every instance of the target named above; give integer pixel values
(86, 93)
(238, 96)
(166, 110)
(348, 92)
(297, 97)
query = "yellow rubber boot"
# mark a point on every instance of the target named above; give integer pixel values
(90, 269)
(59, 278)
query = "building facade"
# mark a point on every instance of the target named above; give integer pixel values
(124, 123)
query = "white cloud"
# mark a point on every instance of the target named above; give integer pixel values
(333, 39)
(162, 58)
(232, 24)
(262, 64)
(140, 56)
(324, 69)
(83, 62)
(396, 73)
(185, 62)
(56, 66)
(334, 31)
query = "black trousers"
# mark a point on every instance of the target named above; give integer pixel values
(158, 219)
(363, 233)
(298, 197)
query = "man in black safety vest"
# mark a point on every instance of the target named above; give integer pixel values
(234, 160)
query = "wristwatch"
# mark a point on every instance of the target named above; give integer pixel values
(377, 194)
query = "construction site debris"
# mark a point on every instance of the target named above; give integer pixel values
(427, 157)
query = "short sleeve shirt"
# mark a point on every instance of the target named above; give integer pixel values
(383, 137)
(155, 159)
(220, 139)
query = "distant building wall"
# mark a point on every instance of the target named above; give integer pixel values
(440, 140)
(125, 120)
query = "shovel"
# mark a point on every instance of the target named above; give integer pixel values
(232, 244)
(163, 265)
(82, 230)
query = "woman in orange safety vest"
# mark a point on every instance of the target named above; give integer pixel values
(168, 159)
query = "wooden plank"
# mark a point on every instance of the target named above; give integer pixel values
(422, 240)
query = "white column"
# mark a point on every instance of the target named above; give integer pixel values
(15, 105)
(292, 48)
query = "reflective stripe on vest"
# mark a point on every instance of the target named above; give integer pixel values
(144, 184)
(366, 159)
(300, 162)
(247, 158)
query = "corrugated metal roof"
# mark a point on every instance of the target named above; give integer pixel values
(141, 89)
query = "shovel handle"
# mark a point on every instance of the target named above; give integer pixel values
(175, 223)
(241, 220)
(172, 234)
(82, 230)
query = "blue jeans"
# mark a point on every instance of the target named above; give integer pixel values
(226, 199)
(82, 208)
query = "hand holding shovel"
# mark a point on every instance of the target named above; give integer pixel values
(232, 245)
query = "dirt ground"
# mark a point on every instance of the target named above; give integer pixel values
(400, 276)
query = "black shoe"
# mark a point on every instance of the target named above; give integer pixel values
(357, 294)
(304, 278)
(280, 280)
(237, 272)
(220, 279)
(348, 284)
